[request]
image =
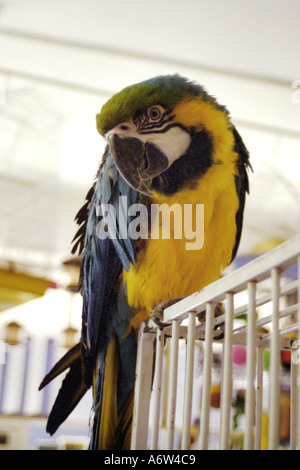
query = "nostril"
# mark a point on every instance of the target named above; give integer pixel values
(123, 127)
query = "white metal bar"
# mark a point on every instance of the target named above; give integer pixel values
(298, 319)
(294, 405)
(264, 299)
(250, 371)
(275, 364)
(259, 398)
(165, 382)
(130, 54)
(275, 262)
(142, 392)
(172, 385)
(188, 388)
(268, 319)
(157, 388)
(226, 386)
(208, 352)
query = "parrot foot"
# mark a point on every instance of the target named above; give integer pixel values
(157, 313)
(156, 316)
(218, 329)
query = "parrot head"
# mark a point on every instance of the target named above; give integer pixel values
(163, 133)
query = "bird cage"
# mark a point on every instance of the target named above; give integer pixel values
(255, 307)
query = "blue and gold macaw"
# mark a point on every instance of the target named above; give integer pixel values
(168, 142)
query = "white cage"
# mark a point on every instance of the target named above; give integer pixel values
(269, 296)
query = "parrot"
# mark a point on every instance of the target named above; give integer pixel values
(168, 142)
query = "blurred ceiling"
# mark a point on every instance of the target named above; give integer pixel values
(61, 60)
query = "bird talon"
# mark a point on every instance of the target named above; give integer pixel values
(218, 310)
(221, 329)
(157, 312)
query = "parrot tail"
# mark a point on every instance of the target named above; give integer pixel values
(71, 391)
(112, 426)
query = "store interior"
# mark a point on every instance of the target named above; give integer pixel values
(60, 61)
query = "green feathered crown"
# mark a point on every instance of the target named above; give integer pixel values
(166, 90)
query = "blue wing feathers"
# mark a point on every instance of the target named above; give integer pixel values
(103, 260)
(106, 314)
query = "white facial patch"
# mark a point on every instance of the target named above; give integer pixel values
(173, 143)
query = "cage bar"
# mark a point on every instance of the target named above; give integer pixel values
(188, 388)
(276, 330)
(250, 375)
(275, 364)
(142, 390)
(294, 405)
(172, 385)
(259, 398)
(226, 388)
(205, 397)
(159, 349)
(298, 318)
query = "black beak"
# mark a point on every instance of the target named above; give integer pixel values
(138, 162)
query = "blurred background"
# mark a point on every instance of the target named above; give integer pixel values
(59, 63)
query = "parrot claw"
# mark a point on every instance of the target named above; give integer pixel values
(218, 329)
(157, 313)
(218, 310)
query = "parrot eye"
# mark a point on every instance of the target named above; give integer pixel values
(151, 119)
(154, 114)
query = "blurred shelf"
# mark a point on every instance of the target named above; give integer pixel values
(29, 433)
(17, 288)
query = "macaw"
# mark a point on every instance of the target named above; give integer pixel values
(168, 142)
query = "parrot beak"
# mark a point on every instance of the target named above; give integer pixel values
(138, 162)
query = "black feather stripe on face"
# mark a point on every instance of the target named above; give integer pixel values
(186, 170)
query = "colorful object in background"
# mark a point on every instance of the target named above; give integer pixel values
(285, 357)
(285, 410)
(266, 359)
(239, 407)
(264, 431)
(12, 333)
(215, 396)
(17, 288)
(286, 354)
(239, 355)
(168, 143)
